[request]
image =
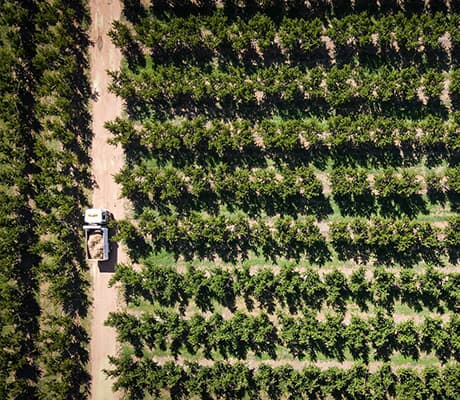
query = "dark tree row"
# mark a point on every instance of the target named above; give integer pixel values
(393, 192)
(134, 9)
(43, 156)
(289, 288)
(19, 286)
(62, 148)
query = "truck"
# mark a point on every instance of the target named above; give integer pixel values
(97, 234)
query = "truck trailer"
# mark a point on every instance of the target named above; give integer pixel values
(97, 234)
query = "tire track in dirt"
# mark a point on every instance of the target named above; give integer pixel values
(106, 161)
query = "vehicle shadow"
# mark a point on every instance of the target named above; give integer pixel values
(109, 265)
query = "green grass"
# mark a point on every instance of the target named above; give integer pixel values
(398, 360)
(283, 356)
(163, 258)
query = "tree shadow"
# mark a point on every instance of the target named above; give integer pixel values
(134, 10)
(437, 197)
(136, 244)
(397, 206)
(454, 200)
(356, 205)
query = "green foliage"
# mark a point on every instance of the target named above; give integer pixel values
(384, 289)
(382, 335)
(271, 190)
(303, 335)
(229, 237)
(357, 333)
(407, 338)
(390, 184)
(337, 291)
(347, 182)
(398, 240)
(410, 387)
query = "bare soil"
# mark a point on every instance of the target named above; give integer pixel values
(106, 161)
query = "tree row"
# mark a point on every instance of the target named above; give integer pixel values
(377, 337)
(62, 147)
(19, 341)
(392, 192)
(322, 8)
(205, 36)
(145, 378)
(401, 241)
(289, 288)
(286, 190)
(364, 139)
(162, 87)
(196, 187)
(231, 237)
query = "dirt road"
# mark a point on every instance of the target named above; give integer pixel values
(106, 161)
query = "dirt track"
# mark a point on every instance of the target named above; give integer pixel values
(106, 161)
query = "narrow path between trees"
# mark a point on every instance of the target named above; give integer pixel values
(106, 161)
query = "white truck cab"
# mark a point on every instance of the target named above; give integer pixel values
(97, 216)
